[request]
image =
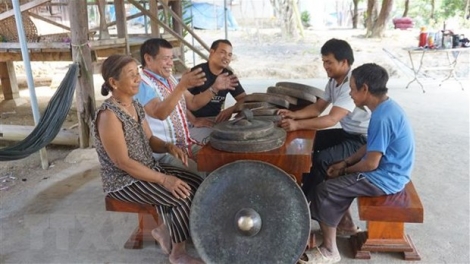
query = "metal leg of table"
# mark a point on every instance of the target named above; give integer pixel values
(416, 71)
(453, 64)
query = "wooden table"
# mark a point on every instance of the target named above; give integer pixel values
(294, 157)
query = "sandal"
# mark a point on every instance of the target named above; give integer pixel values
(347, 233)
(315, 256)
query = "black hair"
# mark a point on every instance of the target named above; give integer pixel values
(112, 68)
(152, 47)
(375, 76)
(340, 49)
(216, 43)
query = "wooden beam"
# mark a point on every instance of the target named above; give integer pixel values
(107, 43)
(23, 7)
(18, 133)
(180, 22)
(52, 22)
(35, 45)
(37, 56)
(8, 79)
(168, 29)
(114, 22)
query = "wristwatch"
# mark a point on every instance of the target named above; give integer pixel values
(212, 90)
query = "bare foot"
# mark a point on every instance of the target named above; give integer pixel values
(162, 236)
(185, 259)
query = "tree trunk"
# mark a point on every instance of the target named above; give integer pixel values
(355, 15)
(407, 6)
(284, 11)
(379, 25)
(466, 14)
(371, 16)
(433, 6)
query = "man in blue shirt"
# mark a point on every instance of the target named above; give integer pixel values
(382, 166)
(166, 100)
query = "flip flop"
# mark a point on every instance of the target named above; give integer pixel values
(315, 256)
(347, 233)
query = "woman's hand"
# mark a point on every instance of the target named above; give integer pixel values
(177, 187)
(336, 169)
(177, 153)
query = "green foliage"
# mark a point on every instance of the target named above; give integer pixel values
(166, 18)
(420, 11)
(305, 18)
(451, 8)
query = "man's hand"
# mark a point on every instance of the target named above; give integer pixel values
(177, 153)
(336, 169)
(193, 78)
(224, 115)
(203, 122)
(284, 113)
(225, 82)
(289, 124)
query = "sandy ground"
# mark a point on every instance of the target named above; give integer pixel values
(440, 116)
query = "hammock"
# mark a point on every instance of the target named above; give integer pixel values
(50, 123)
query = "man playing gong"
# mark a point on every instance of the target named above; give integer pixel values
(381, 167)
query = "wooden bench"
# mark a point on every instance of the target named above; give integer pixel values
(386, 217)
(148, 220)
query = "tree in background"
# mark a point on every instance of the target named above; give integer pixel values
(453, 8)
(467, 10)
(433, 8)
(407, 7)
(433, 13)
(287, 12)
(355, 14)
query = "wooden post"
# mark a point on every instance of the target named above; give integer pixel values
(178, 9)
(177, 24)
(121, 22)
(81, 53)
(8, 79)
(154, 28)
(104, 33)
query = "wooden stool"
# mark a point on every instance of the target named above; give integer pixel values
(148, 220)
(386, 217)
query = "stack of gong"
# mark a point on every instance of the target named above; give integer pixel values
(245, 134)
(285, 95)
(255, 127)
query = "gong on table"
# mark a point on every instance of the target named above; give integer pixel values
(249, 212)
(247, 134)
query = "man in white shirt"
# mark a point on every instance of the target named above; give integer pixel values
(333, 144)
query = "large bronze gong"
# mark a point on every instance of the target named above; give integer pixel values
(245, 135)
(249, 212)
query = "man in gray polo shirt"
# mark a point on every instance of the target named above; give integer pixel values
(333, 144)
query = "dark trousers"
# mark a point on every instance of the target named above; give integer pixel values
(330, 146)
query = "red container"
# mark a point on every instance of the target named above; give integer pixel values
(423, 38)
